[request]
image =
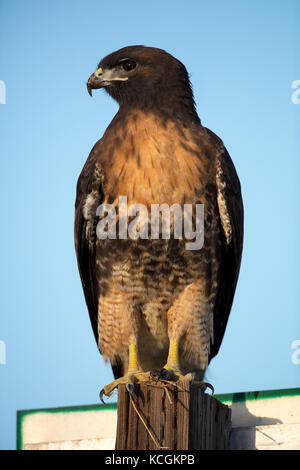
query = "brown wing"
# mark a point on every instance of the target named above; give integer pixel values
(231, 213)
(88, 197)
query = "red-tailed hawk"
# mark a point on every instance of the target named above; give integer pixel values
(153, 303)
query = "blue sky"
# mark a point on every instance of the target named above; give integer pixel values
(243, 57)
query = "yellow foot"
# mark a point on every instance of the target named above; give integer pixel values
(171, 373)
(129, 380)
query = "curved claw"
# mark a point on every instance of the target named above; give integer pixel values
(130, 388)
(101, 395)
(205, 385)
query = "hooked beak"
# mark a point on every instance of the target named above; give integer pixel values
(95, 81)
(100, 79)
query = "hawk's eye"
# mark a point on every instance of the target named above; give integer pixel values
(128, 65)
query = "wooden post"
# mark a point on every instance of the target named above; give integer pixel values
(166, 416)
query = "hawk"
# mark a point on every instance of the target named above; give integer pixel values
(153, 303)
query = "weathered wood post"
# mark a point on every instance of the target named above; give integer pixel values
(175, 417)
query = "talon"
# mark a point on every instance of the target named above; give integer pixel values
(130, 388)
(207, 385)
(101, 395)
(204, 386)
(107, 393)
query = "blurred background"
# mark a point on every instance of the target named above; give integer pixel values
(244, 63)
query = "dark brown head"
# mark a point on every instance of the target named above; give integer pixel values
(147, 78)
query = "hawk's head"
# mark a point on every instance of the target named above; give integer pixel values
(141, 76)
